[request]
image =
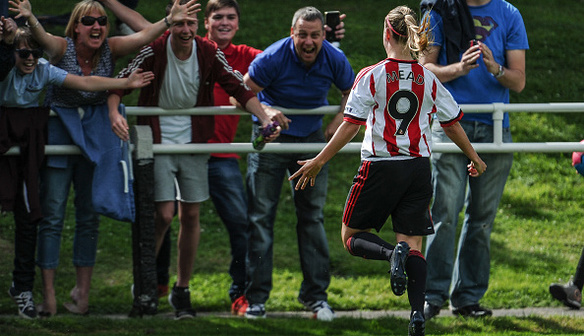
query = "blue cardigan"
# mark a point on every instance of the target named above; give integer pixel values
(89, 128)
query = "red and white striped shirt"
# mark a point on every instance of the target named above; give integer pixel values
(395, 99)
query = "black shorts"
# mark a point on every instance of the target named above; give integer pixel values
(400, 188)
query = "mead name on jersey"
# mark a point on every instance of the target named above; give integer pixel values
(400, 75)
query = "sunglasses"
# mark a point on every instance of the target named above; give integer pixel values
(90, 20)
(24, 53)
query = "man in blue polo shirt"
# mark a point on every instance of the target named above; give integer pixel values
(295, 72)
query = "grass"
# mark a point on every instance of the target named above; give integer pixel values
(537, 238)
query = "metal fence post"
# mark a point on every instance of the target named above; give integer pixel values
(498, 116)
(143, 229)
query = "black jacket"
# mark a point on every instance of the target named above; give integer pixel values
(458, 25)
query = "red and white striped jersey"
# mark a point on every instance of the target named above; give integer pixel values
(396, 99)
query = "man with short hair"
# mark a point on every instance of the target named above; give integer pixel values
(186, 68)
(225, 179)
(295, 72)
(480, 74)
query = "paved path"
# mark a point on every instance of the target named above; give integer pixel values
(373, 314)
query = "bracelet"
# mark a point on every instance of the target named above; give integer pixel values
(166, 22)
(34, 25)
(501, 72)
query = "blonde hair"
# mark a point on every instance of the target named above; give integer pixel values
(402, 23)
(81, 9)
(23, 35)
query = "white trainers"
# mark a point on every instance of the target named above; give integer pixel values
(255, 311)
(321, 309)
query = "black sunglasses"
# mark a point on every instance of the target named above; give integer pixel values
(24, 53)
(90, 20)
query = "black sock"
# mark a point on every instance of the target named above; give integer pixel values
(369, 246)
(416, 270)
(579, 276)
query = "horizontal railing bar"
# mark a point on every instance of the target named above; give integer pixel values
(332, 109)
(354, 147)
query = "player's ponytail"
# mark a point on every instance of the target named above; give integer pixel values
(403, 25)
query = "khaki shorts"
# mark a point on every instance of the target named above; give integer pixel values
(190, 172)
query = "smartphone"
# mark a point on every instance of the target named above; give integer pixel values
(332, 19)
(473, 42)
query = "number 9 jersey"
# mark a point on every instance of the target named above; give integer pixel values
(397, 101)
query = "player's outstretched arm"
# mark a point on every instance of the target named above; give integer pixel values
(456, 133)
(310, 168)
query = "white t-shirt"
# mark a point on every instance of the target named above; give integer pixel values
(179, 90)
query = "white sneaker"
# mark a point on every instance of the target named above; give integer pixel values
(255, 311)
(321, 309)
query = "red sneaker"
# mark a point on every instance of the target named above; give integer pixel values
(239, 306)
(162, 290)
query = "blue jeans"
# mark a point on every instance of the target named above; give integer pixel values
(463, 278)
(228, 195)
(55, 185)
(265, 174)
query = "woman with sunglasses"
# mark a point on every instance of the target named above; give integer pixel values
(86, 49)
(23, 75)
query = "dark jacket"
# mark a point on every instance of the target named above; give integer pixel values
(213, 68)
(458, 25)
(26, 128)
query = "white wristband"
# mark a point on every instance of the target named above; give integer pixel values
(501, 72)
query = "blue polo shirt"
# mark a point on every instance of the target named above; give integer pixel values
(288, 83)
(499, 25)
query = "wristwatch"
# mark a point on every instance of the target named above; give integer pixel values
(500, 73)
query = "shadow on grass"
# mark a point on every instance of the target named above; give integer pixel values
(287, 326)
(507, 325)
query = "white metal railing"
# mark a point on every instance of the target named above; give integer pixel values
(497, 109)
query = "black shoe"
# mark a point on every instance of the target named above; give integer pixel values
(26, 307)
(180, 300)
(417, 325)
(472, 311)
(397, 273)
(430, 310)
(569, 294)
